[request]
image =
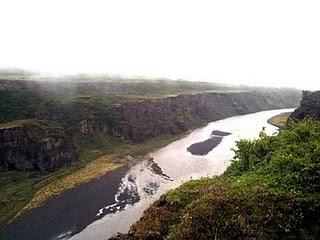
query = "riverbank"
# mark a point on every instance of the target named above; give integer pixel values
(177, 166)
(280, 120)
(22, 191)
(270, 191)
(68, 212)
(73, 184)
(111, 119)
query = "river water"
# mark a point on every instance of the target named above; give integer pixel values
(103, 207)
(142, 185)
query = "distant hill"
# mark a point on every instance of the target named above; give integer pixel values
(23, 94)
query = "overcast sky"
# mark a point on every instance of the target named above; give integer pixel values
(274, 43)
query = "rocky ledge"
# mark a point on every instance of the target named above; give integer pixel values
(42, 144)
(309, 106)
(29, 145)
(142, 120)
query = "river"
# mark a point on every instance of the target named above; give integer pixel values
(102, 208)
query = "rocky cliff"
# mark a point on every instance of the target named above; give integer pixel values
(309, 106)
(34, 145)
(93, 108)
(141, 120)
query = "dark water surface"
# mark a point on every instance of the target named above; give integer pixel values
(70, 212)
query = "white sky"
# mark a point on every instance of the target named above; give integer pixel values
(254, 42)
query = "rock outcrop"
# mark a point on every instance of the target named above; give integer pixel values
(309, 106)
(30, 145)
(142, 120)
(43, 145)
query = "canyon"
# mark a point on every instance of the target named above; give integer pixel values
(51, 129)
(136, 120)
(272, 182)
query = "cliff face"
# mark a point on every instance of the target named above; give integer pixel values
(309, 106)
(40, 145)
(34, 145)
(139, 121)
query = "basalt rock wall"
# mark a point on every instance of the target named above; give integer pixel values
(142, 120)
(34, 147)
(42, 144)
(309, 106)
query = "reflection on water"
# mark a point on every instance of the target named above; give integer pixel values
(175, 165)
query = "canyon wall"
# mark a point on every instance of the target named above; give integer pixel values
(309, 106)
(42, 143)
(32, 145)
(141, 120)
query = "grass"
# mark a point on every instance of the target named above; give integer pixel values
(30, 123)
(69, 102)
(75, 100)
(95, 169)
(270, 191)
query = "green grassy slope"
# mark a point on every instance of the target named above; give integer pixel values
(270, 191)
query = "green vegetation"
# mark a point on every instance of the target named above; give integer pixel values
(31, 123)
(18, 188)
(270, 191)
(17, 105)
(69, 101)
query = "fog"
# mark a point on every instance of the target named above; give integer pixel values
(270, 43)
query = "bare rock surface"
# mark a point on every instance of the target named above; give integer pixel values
(309, 107)
(34, 145)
